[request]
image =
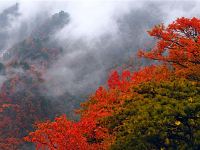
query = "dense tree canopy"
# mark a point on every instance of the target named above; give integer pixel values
(162, 115)
(179, 45)
(157, 107)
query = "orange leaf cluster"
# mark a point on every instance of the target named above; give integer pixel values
(87, 133)
(63, 134)
(179, 45)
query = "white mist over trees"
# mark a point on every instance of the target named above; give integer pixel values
(98, 37)
(53, 54)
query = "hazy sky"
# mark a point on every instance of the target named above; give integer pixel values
(94, 17)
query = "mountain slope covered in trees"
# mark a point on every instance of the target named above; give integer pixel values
(23, 100)
(151, 106)
(157, 107)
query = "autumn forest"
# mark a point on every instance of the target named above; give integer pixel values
(147, 100)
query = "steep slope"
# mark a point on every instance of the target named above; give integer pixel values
(23, 66)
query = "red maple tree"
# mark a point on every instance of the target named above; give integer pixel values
(179, 45)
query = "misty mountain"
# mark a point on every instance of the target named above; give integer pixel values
(8, 14)
(51, 25)
(54, 54)
(71, 64)
(6, 17)
(33, 46)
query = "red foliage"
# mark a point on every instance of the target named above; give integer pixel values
(145, 74)
(60, 134)
(179, 45)
(16, 115)
(87, 133)
(8, 138)
(63, 134)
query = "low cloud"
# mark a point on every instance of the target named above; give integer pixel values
(100, 35)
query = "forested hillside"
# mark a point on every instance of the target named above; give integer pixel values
(95, 80)
(157, 107)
